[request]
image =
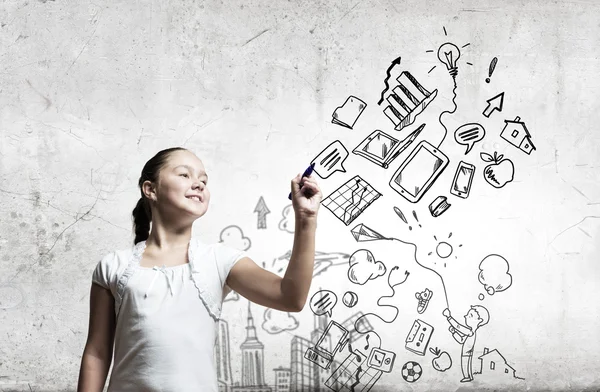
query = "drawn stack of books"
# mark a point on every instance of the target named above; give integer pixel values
(407, 100)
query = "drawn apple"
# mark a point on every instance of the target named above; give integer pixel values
(442, 361)
(500, 172)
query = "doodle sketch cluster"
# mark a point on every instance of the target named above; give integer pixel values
(349, 354)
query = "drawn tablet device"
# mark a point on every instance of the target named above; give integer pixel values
(463, 178)
(419, 171)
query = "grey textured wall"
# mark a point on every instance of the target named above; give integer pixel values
(91, 90)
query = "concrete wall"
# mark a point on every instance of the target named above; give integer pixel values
(89, 91)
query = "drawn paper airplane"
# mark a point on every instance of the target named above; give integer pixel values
(362, 233)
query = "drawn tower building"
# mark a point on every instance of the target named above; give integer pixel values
(222, 356)
(301, 369)
(282, 379)
(253, 375)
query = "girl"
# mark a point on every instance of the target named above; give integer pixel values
(159, 301)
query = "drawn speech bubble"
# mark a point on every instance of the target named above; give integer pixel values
(323, 301)
(469, 134)
(331, 159)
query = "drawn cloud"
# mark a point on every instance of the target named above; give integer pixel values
(364, 267)
(287, 221)
(493, 274)
(233, 236)
(275, 322)
(233, 296)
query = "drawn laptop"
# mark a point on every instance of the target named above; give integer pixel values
(381, 148)
(331, 341)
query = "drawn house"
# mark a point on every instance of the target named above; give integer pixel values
(515, 132)
(492, 362)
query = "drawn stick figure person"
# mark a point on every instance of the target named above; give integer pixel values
(476, 317)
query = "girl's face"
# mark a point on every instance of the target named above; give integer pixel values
(182, 181)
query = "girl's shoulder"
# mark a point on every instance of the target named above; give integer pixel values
(112, 265)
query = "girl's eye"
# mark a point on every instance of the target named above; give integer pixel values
(187, 175)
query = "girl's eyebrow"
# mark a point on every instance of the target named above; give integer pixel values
(191, 169)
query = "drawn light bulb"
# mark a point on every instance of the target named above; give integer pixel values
(448, 54)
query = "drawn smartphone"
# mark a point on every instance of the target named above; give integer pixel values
(419, 171)
(332, 340)
(463, 178)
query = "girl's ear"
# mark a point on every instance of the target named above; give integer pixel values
(152, 194)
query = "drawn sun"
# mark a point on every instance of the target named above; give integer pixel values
(443, 249)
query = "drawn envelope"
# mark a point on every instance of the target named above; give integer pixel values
(347, 114)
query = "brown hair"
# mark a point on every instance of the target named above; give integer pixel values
(142, 214)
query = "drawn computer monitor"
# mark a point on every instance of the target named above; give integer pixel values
(331, 341)
(419, 171)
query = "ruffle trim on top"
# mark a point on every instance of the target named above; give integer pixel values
(138, 249)
(198, 277)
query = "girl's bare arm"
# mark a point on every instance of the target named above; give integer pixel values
(97, 355)
(269, 290)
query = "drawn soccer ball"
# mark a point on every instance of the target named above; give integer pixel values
(411, 371)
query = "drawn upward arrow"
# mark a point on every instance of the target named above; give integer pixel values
(262, 211)
(394, 63)
(494, 103)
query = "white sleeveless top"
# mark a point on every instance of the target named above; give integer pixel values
(166, 317)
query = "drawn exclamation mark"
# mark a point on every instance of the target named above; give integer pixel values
(492, 67)
(401, 215)
(417, 219)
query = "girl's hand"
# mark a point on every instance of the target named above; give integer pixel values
(306, 200)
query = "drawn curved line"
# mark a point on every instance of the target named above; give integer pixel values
(387, 77)
(357, 379)
(353, 213)
(394, 292)
(449, 112)
(435, 272)
(375, 314)
(353, 205)
(406, 273)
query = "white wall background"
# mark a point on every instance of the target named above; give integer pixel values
(89, 91)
